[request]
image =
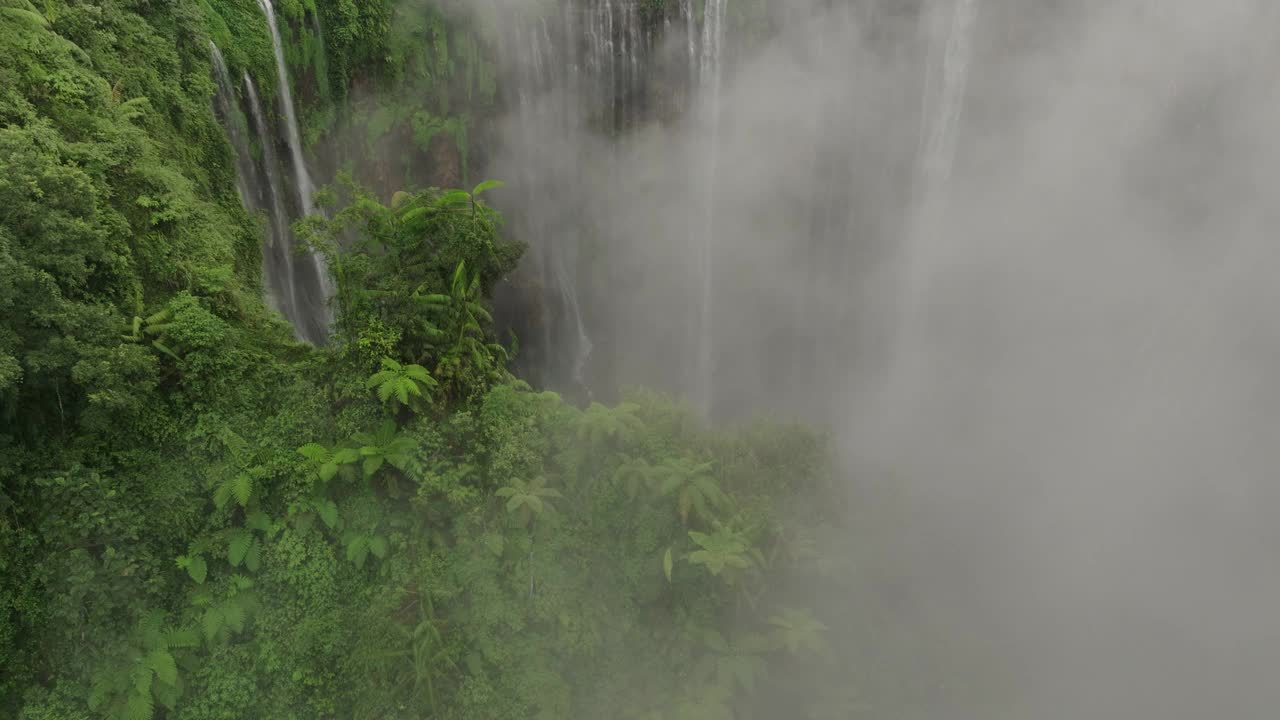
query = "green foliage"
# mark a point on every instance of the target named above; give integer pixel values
(718, 551)
(143, 672)
(527, 500)
(420, 272)
(203, 520)
(398, 383)
(388, 446)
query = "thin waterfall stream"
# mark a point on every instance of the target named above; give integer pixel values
(315, 292)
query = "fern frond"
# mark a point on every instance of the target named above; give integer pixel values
(138, 706)
(314, 452)
(238, 546)
(242, 488)
(161, 662)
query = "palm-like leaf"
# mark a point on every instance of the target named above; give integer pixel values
(400, 382)
(798, 631)
(738, 662)
(720, 550)
(328, 462)
(144, 672)
(600, 424)
(528, 499)
(386, 446)
(693, 486)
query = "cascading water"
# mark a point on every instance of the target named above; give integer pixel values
(709, 78)
(260, 189)
(544, 88)
(585, 80)
(951, 52)
(942, 113)
(578, 86)
(293, 138)
(277, 255)
(227, 110)
(950, 26)
(313, 296)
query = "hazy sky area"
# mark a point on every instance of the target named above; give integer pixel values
(1069, 368)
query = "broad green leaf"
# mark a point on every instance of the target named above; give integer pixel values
(182, 638)
(253, 558)
(259, 521)
(534, 503)
(496, 543)
(314, 452)
(328, 512)
(378, 546)
(197, 568)
(222, 495)
(142, 679)
(233, 614)
(237, 546)
(357, 550)
(327, 471)
(138, 706)
(242, 488)
(487, 185)
(161, 662)
(346, 456)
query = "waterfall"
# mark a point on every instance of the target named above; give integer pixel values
(691, 38)
(709, 77)
(277, 255)
(226, 109)
(590, 82)
(316, 293)
(290, 117)
(950, 31)
(942, 121)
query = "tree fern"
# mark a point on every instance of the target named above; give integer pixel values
(528, 499)
(798, 631)
(151, 330)
(142, 673)
(720, 550)
(327, 462)
(386, 446)
(693, 487)
(400, 383)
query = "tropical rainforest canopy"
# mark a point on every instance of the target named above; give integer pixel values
(203, 518)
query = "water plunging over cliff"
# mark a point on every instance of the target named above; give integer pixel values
(709, 78)
(315, 292)
(259, 187)
(949, 25)
(582, 82)
(227, 109)
(277, 255)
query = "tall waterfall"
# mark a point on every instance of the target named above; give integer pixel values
(585, 81)
(950, 56)
(313, 297)
(227, 110)
(277, 255)
(709, 79)
(950, 30)
(949, 27)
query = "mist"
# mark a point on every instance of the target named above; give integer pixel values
(1053, 343)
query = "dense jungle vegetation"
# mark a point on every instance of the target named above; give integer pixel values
(201, 518)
